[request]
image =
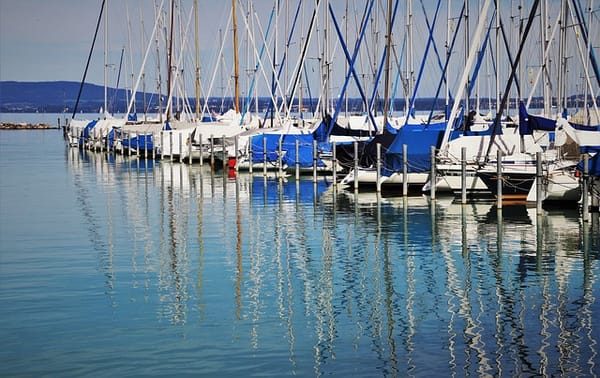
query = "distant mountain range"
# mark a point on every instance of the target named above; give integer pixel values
(61, 96)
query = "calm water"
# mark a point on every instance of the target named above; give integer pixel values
(114, 266)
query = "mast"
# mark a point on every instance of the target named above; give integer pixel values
(197, 50)
(170, 57)
(236, 75)
(87, 65)
(105, 58)
(386, 95)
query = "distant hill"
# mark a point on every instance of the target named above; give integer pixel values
(58, 96)
(61, 96)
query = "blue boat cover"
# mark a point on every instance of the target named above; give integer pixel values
(288, 148)
(593, 165)
(418, 140)
(321, 132)
(139, 142)
(528, 123)
(88, 128)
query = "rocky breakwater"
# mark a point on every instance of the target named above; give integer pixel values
(24, 126)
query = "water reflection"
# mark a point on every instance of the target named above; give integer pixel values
(345, 282)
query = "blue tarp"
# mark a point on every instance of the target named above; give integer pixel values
(288, 148)
(85, 133)
(139, 142)
(322, 132)
(593, 165)
(418, 140)
(88, 128)
(528, 123)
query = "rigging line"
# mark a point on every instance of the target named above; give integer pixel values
(87, 65)
(513, 70)
(420, 75)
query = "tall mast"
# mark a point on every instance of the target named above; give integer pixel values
(105, 58)
(236, 74)
(170, 57)
(386, 95)
(197, 82)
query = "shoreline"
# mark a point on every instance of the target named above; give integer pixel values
(25, 126)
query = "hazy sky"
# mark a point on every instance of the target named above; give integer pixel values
(47, 40)
(50, 39)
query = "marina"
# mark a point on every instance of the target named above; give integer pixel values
(116, 264)
(275, 188)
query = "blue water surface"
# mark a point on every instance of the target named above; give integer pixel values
(110, 265)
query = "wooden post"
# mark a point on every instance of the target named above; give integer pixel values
(378, 168)
(201, 150)
(432, 173)
(236, 145)
(264, 156)
(499, 179)
(538, 186)
(280, 158)
(224, 153)
(153, 148)
(162, 145)
(315, 160)
(190, 142)
(297, 161)
(355, 165)
(212, 151)
(171, 145)
(463, 175)
(585, 190)
(145, 146)
(404, 170)
(180, 146)
(334, 165)
(250, 156)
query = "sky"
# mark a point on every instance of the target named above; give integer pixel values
(49, 40)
